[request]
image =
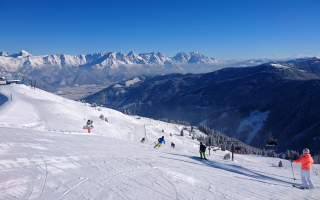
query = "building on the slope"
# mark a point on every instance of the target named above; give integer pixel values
(4, 81)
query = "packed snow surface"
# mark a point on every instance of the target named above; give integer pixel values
(46, 154)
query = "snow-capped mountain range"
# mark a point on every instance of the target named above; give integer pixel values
(13, 62)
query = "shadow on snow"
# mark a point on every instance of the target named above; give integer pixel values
(237, 169)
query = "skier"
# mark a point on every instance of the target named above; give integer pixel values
(202, 151)
(143, 139)
(306, 161)
(160, 141)
(173, 145)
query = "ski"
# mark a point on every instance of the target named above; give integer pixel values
(200, 158)
(300, 187)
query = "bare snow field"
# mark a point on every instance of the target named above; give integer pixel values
(46, 154)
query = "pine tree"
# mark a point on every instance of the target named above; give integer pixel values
(227, 156)
(264, 153)
(101, 116)
(288, 156)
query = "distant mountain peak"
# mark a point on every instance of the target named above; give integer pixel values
(192, 57)
(3, 53)
(24, 53)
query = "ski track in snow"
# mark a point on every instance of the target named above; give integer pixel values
(45, 154)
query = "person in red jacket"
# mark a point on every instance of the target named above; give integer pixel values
(306, 161)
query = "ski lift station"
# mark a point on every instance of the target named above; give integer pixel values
(4, 81)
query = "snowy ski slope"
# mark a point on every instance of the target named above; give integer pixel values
(46, 154)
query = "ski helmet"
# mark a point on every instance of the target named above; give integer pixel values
(162, 136)
(200, 142)
(305, 150)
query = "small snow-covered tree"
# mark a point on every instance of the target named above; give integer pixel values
(288, 156)
(94, 105)
(106, 119)
(99, 109)
(294, 155)
(181, 133)
(101, 116)
(264, 153)
(224, 146)
(227, 156)
(124, 111)
(280, 164)
(128, 112)
(316, 159)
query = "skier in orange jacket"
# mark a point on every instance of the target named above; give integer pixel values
(306, 161)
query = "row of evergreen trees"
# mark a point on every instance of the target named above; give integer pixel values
(173, 122)
(215, 138)
(126, 112)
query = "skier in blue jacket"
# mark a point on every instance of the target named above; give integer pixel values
(160, 141)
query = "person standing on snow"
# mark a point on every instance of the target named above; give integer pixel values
(306, 161)
(160, 141)
(202, 151)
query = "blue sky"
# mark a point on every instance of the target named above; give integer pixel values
(219, 29)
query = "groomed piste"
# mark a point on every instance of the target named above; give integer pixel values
(46, 154)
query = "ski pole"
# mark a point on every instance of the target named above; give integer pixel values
(293, 172)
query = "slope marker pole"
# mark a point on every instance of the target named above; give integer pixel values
(293, 172)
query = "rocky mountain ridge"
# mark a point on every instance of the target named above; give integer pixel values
(14, 62)
(101, 69)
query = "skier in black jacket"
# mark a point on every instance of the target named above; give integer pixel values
(202, 151)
